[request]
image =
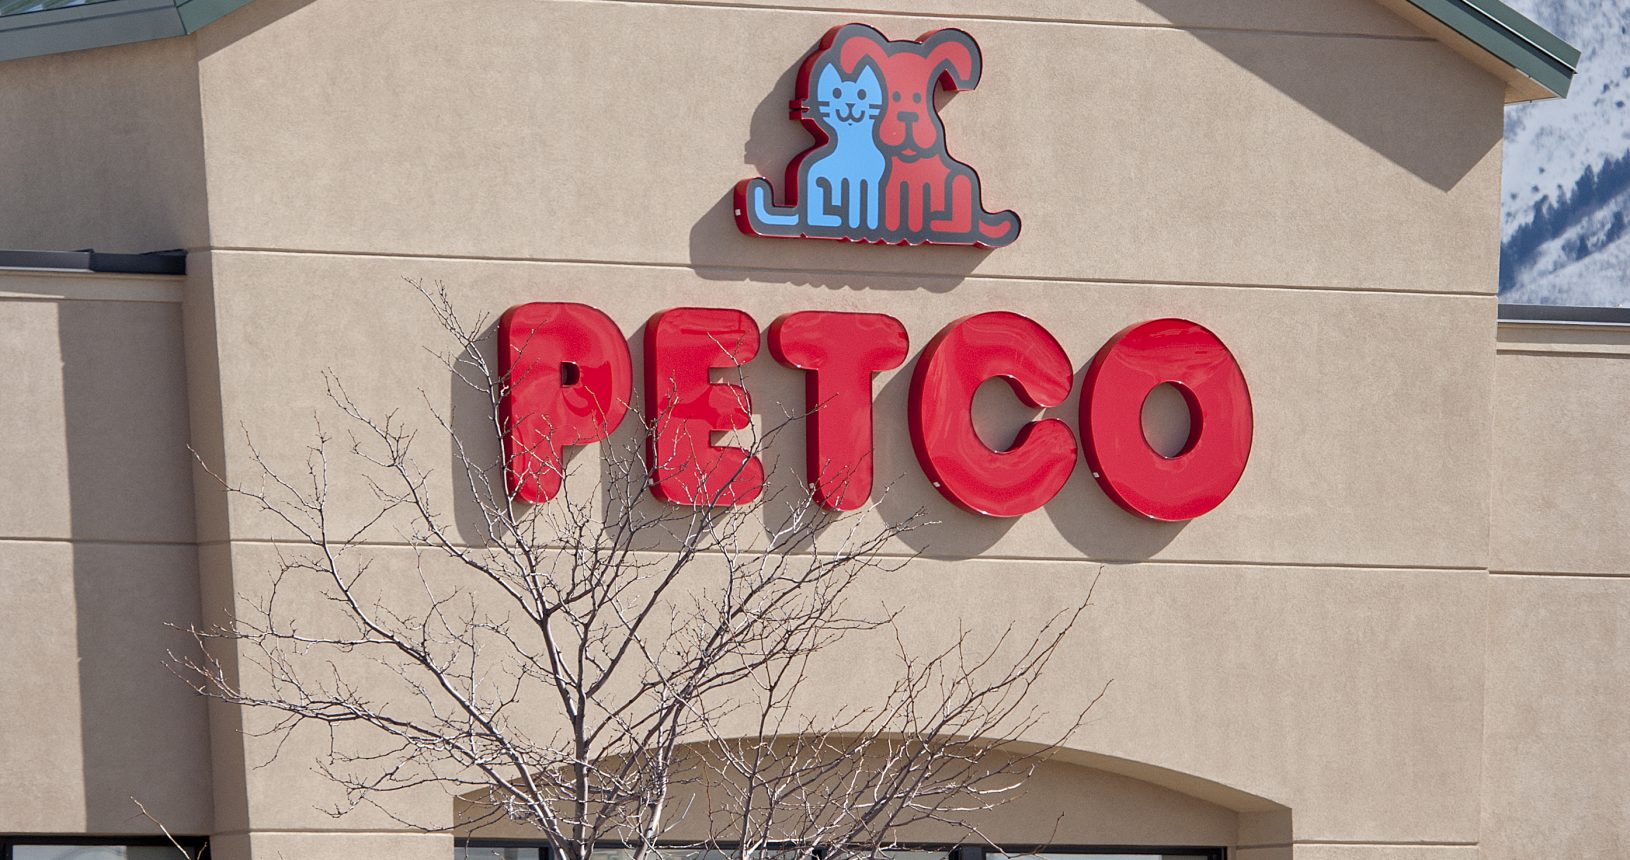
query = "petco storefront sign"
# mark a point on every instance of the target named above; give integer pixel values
(879, 172)
(570, 380)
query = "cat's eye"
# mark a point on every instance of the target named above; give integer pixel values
(861, 94)
(837, 92)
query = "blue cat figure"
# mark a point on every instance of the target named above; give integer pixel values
(844, 186)
(842, 179)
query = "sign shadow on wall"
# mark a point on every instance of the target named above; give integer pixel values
(1353, 103)
(1084, 519)
(478, 465)
(477, 460)
(719, 251)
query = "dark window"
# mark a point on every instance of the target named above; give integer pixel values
(476, 849)
(1115, 854)
(93, 852)
(83, 848)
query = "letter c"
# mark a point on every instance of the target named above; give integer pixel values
(951, 368)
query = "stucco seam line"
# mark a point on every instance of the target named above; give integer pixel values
(1553, 574)
(1607, 352)
(1562, 316)
(1522, 329)
(864, 273)
(163, 294)
(77, 541)
(328, 831)
(1366, 843)
(1004, 559)
(1014, 19)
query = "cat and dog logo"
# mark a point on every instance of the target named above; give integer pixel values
(879, 170)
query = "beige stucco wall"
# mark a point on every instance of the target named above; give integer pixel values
(1314, 644)
(103, 149)
(1322, 668)
(520, 119)
(96, 558)
(1557, 756)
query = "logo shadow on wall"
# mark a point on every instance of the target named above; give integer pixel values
(478, 464)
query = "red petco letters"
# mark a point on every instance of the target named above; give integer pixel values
(570, 380)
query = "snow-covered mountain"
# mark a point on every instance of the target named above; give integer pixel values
(1567, 169)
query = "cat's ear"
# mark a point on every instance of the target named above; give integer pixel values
(868, 80)
(828, 81)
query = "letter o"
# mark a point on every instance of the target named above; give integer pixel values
(1198, 365)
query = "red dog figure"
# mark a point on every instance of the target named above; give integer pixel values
(879, 170)
(927, 195)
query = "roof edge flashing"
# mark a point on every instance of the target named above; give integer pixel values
(1511, 39)
(197, 14)
(78, 28)
(104, 24)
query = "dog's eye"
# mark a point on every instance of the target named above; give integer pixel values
(896, 95)
(837, 92)
(916, 97)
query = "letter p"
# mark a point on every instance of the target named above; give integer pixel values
(566, 379)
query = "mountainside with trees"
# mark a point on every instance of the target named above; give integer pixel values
(1567, 169)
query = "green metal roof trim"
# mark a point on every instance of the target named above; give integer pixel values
(34, 28)
(1511, 38)
(31, 28)
(19, 7)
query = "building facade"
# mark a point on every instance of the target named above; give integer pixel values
(1404, 634)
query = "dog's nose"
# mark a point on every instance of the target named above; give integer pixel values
(908, 117)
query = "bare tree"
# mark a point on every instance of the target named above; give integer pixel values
(611, 670)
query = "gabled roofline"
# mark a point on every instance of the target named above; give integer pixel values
(1534, 63)
(103, 23)
(1544, 64)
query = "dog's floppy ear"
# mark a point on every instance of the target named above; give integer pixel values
(858, 42)
(954, 56)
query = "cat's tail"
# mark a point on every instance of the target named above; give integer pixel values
(757, 214)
